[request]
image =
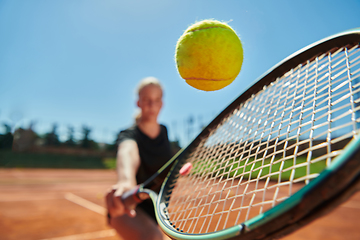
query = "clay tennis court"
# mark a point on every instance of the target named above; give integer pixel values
(60, 204)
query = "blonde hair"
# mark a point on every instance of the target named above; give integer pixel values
(142, 84)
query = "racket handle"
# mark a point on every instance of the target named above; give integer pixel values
(133, 197)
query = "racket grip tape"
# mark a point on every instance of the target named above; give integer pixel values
(133, 197)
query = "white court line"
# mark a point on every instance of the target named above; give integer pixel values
(93, 207)
(87, 236)
(85, 203)
(351, 204)
(27, 198)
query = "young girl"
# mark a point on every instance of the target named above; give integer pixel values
(142, 150)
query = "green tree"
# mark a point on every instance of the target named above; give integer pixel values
(86, 142)
(6, 140)
(51, 138)
(70, 142)
(113, 146)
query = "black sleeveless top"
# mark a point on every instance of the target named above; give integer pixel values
(154, 153)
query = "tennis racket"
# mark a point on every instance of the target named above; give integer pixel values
(283, 153)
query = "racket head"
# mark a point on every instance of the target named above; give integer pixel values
(283, 138)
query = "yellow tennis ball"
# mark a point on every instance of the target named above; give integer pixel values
(209, 55)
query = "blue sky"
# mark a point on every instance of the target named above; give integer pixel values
(78, 62)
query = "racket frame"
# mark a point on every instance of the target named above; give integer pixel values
(262, 224)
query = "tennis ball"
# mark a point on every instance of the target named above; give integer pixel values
(209, 55)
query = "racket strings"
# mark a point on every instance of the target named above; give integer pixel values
(271, 145)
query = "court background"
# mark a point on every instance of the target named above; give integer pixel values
(67, 204)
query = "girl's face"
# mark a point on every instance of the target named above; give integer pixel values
(150, 102)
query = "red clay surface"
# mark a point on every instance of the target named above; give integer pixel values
(33, 206)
